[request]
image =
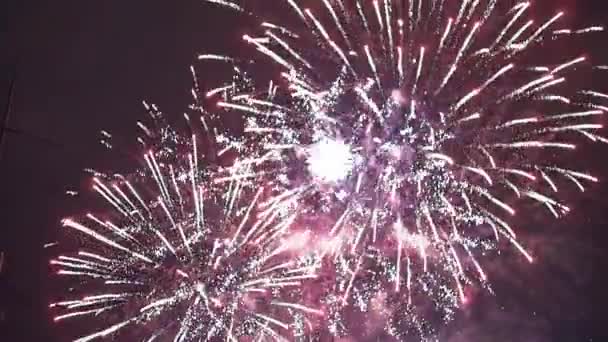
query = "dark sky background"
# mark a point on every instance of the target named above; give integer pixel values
(86, 65)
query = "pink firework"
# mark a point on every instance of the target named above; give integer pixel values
(407, 135)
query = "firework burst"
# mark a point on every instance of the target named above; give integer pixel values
(179, 258)
(418, 127)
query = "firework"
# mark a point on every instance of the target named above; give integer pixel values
(175, 257)
(418, 128)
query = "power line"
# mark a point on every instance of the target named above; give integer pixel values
(4, 129)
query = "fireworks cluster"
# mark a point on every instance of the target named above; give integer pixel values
(370, 180)
(181, 258)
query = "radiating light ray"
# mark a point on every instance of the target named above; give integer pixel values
(170, 265)
(439, 106)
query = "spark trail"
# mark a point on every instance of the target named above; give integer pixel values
(419, 128)
(171, 256)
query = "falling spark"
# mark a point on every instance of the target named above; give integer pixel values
(390, 117)
(168, 269)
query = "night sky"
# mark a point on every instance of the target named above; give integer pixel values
(81, 66)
